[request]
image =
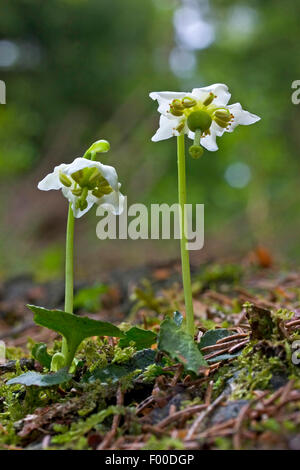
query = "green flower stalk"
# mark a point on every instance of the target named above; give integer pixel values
(203, 114)
(69, 273)
(185, 259)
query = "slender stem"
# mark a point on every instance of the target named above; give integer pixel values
(69, 276)
(185, 260)
(197, 137)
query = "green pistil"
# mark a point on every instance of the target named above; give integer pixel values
(199, 120)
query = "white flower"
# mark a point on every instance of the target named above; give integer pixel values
(85, 183)
(205, 109)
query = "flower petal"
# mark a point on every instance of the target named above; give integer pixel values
(167, 128)
(218, 89)
(52, 181)
(73, 199)
(165, 98)
(113, 202)
(209, 141)
(241, 117)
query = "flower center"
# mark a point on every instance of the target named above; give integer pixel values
(85, 180)
(200, 114)
(199, 120)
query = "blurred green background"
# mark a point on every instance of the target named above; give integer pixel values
(80, 70)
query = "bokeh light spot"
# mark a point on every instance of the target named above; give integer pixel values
(238, 175)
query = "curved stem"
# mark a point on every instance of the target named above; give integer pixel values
(69, 276)
(185, 260)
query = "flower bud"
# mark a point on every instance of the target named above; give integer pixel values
(199, 120)
(196, 151)
(189, 102)
(209, 99)
(65, 180)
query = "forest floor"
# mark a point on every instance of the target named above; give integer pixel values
(246, 397)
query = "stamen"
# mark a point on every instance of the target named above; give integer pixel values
(180, 127)
(77, 191)
(209, 99)
(64, 180)
(188, 102)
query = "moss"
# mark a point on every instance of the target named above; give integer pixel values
(216, 273)
(221, 377)
(122, 356)
(269, 424)
(153, 371)
(93, 353)
(8, 435)
(189, 403)
(283, 314)
(14, 354)
(290, 426)
(254, 372)
(18, 402)
(208, 324)
(165, 443)
(223, 443)
(75, 436)
(127, 381)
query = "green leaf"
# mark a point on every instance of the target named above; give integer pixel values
(41, 380)
(39, 352)
(113, 372)
(211, 337)
(89, 298)
(74, 328)
(142, 338)
(179, 345)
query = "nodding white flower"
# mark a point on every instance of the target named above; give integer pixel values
(202, 114)
(85, 183)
